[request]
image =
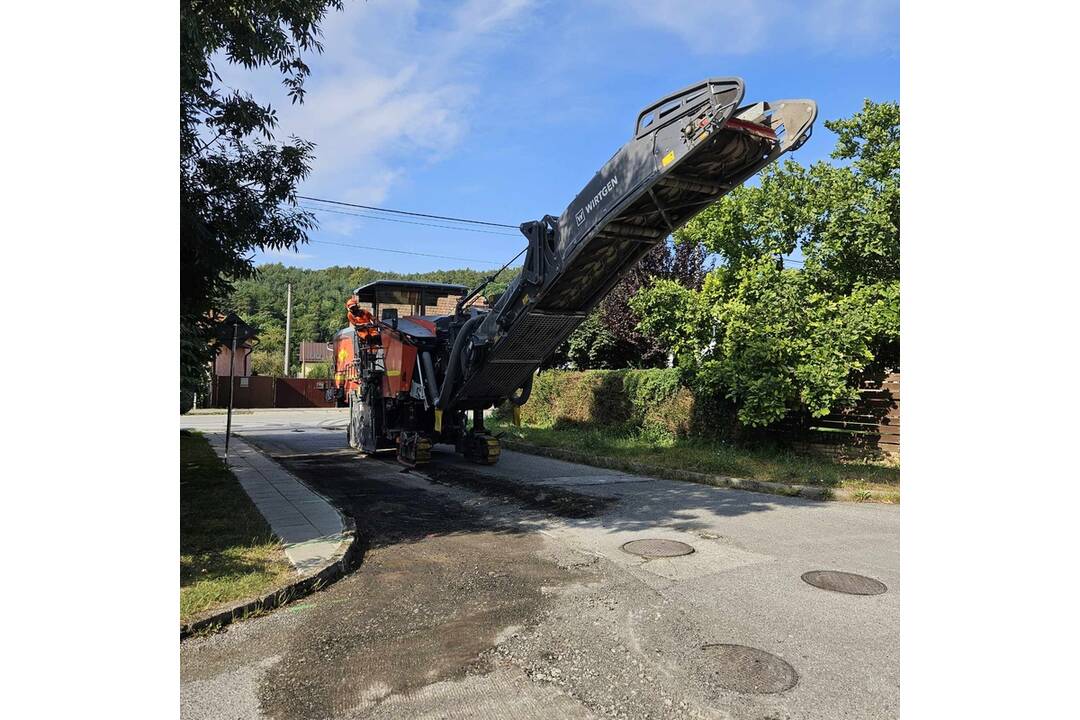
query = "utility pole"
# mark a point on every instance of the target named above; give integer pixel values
(232, 389)
(288, 326)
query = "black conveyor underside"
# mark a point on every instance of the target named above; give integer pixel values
(618, 244)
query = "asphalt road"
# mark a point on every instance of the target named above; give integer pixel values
(503, 592)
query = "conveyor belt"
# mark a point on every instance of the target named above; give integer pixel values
(688, 150)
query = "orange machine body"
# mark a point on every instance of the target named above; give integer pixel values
(390, 346)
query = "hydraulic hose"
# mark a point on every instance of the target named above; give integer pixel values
(454, 366)
(429, 375)
(522, 395)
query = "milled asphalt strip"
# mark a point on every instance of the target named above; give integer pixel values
(320, 542)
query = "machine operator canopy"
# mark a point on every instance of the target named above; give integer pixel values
(406, 292)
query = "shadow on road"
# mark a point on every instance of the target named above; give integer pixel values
(387, 511)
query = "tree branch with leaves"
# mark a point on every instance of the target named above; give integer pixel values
(237, 184)
(771, 338)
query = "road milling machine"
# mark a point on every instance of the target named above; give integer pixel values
(422, 379)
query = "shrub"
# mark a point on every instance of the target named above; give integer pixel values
(650, 402)
(320, 370)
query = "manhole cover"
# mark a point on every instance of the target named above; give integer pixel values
(749, 670)
(844, 582)
(657, 548)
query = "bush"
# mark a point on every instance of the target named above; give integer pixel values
(320, 370)
(267, 362)
(654, 403)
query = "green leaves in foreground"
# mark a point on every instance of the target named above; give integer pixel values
(773, 338)
(237, 184)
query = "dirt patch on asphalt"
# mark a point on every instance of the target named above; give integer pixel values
(438, 587)
(554, 500)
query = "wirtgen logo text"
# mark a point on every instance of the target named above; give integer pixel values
(581, 214)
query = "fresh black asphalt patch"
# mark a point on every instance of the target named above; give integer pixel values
(555, 500)
(436, 586)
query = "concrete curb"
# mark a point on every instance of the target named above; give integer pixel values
(336, 567)
(773, 488)
(210, 412)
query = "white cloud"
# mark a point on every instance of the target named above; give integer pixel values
(391, 89)
(857, 24)
(740, 27)
(398, 82)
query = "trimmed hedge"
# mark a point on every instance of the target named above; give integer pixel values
(654, 402)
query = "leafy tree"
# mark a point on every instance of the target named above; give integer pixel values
(267, 362)
(772, 338)
(591, 346)
(237, 185)
(496, 288)
(610, 338)
(320, 371)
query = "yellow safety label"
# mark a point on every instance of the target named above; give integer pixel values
(668, 159)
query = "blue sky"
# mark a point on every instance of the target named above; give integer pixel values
(503, 109)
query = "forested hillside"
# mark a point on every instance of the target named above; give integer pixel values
(318, 298)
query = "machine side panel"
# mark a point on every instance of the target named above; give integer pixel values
(399, 359)
(345, 375)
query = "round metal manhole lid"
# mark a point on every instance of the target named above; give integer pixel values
(844, 582)
(657, 548)
(749, 670)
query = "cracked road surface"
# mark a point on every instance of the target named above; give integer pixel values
(502, 592)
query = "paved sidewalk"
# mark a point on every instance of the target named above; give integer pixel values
(310, 527)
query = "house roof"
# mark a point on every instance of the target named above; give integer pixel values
(223, 331)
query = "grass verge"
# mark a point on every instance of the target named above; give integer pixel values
(770, 464)
(227, 551)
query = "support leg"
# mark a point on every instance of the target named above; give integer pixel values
(477, 444)
(414, 449)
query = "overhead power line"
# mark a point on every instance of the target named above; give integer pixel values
(403, 252)
(443, 226)
(435, 225)
(430, 216)
(407, 212)
(409, 222)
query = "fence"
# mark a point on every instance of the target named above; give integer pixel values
(871, 425)
(260, 391)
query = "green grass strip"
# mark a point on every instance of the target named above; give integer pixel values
(765, 463)
(227, 551)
